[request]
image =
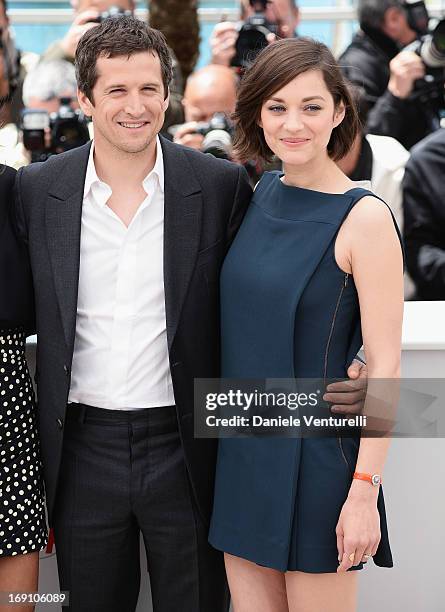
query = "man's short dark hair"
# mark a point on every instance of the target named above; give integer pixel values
(371, 13)
(115, 37)
(358, 96)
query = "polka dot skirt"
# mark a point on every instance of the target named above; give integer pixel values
(22, 509)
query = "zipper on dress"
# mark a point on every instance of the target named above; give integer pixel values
(328, 343)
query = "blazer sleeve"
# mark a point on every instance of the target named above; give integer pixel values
(16, 286)
(18, 217)
(241, 200)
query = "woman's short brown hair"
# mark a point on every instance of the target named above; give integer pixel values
(276, 66)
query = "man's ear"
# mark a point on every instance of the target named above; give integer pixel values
(339, 114)
(166, 102)
(85, 103)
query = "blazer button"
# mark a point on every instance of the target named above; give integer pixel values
(66, 369)
(176, 364)
(59, 423)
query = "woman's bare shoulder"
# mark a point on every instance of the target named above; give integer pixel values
(370, 214)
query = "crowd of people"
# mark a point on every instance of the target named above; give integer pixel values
(144, 265)
(399, 109)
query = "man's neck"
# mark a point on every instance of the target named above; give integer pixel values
(118, 167)
(349, 162)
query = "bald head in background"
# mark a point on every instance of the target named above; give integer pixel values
(210, 90)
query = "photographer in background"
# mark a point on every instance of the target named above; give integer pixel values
(42, 89)
(424, 216)
(47, 83)
(380, 160)
(209, 101)
(13, 67)
(87, 15)
(11, 150)
(389, 75)
(281, 15)
(209, 91)
(51, 121)
(9, 57)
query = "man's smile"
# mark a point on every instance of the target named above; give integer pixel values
(132, 125)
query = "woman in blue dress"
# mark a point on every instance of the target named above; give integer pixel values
(315, 271)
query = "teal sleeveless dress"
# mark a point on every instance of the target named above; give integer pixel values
(288, 310)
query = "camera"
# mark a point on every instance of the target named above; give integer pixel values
(47, 134)
(217, 136)
(252, 35)
(431, 49)
(417, 16)
(113, 12)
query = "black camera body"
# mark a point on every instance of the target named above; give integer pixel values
(47, 134)
(253, 34)
(417, 16)
(217, 136)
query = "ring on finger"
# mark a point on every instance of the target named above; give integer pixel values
(351, 556)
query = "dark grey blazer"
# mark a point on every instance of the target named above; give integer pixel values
(205, 201)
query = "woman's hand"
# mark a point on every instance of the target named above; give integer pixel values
(358, 527)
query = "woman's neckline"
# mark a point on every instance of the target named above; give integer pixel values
(357, 185)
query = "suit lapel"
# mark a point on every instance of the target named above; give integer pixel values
(182, 228)
(63, 223)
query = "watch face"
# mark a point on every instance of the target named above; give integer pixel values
(376, 480)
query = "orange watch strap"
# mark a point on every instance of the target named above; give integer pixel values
(363, 476)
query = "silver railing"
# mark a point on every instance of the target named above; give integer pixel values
(206, 15)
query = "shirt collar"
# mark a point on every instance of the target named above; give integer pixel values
(158, 168)
(91, 178)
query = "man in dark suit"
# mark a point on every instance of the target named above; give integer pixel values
(126, 239)
(126, 243)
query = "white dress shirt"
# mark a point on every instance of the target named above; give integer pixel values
(120, 356)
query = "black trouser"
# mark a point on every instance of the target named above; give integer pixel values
(123, 472)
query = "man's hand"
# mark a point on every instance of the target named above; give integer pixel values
(405, 68)
(348, 397)
(186, 135)
(81, 24)
(222, 43)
